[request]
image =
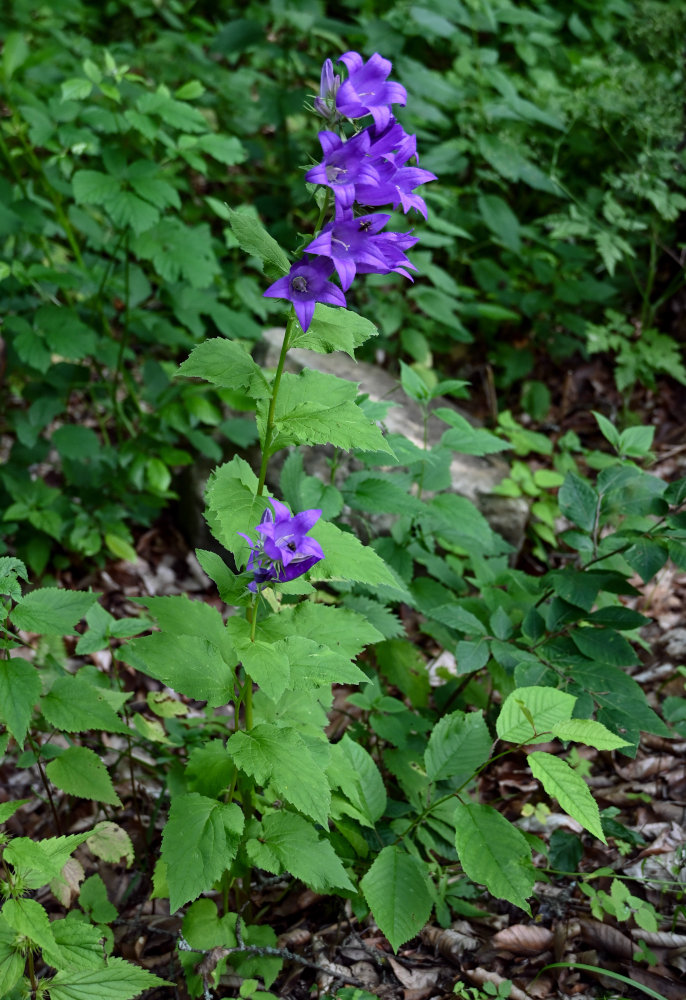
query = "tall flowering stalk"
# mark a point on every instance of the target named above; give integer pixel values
(371, 168)
(374, 166)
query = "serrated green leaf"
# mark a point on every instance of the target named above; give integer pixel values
(199, 842)
(289, 843)
(12, 959)
(52, 611)
(80, 772)
(28, 918)
(75, 706)
(566, 785)
(545, 706)
(209, 769)
(92, 187)
(396, 888)
(78, 946)
(353, 771)
(346, 558)
(316, 408)
(255, 240)
(279, 755)
(233, 505)
(116, 980)
(501, 220)
(189, 664)
(226, 364)
(578, 501)
(8, 809)
(19, 691)
(646, 557)
(94, 901)
(587, 731)
(334, 330)
(604, 645)
(40, 861)
(494, 853)
(459, 744)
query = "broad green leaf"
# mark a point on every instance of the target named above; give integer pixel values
(255, 240)
(313, 664)
(116, 980)
(593, 734)
(12, 959)
(396, 888)
(39, 861)
(646, 557)
(289, 843)
(28, 918)
(471, 656)
(267, 663)
(378, 493)
(80, 772)
(459, 522)
(341, 629)
(189, 664)
(578, 501)
(457, 617)
(562, 782)
(179, 251)
(468, 440)
(226, 364)
(501, 220)
(278, 755)
(346, 558)
(545, 706)
(92, 187)
(334, 330)
(52, 611)
(181, 616)
(74, 705)
(353, 770)
(15, 52)
(209, 769)
(233, 505)
(199, 842)
(494, 853)
(19, 691)
(618, 617)
(8, 809)
(604, 645)
(78, 945)
(459, 744)
(95, 902)
(76, 89)
(316, 408)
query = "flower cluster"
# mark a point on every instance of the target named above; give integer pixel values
(283, 551)
(370, 169)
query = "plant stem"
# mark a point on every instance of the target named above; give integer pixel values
(46, 783)
(269, 429)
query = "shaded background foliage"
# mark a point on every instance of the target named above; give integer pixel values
(557, 133)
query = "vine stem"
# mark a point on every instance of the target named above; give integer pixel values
(269, 429)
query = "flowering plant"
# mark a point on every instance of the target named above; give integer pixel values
(368, 169)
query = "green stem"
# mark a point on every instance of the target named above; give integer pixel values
(269, 429)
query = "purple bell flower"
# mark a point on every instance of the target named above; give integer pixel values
(307, 283)
(345, 165)
(358, 245)
(283, 552)
(325, 104)
(367, 91)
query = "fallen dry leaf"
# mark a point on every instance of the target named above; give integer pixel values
(448, 942)
(523, 939)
